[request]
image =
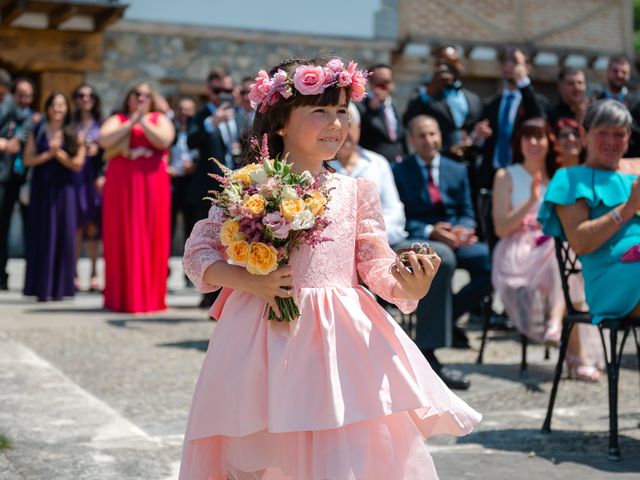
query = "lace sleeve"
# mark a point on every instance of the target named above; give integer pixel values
(373, 254)
(203, 249)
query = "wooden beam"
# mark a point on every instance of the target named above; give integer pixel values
(12, 11)
(61, 15)
(107, 17)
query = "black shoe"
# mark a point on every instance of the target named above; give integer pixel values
(460, 339)
(453, 378)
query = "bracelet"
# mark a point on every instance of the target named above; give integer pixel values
(615, 216)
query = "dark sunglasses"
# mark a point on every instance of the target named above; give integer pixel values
(245, 92)
(92, 96)
(568, 134)
(218, 90)
(137, 94)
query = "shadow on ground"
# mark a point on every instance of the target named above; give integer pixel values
(135, 322)
(200, 345)
(560, 446)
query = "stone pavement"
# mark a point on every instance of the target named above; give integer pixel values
(90, 394)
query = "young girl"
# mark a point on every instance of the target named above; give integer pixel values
(341, 393)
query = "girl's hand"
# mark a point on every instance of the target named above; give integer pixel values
(278, 283)
(415, 285)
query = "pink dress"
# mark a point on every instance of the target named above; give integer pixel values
(342, 393)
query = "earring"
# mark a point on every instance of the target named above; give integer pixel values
(281, 132)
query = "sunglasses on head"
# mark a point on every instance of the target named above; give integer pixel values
(219, 90)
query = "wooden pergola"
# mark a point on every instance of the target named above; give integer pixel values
(54, 43)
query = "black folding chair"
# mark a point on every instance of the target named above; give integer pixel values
(485, 222)
(569, 265)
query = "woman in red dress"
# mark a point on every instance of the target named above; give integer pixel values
(136, 204)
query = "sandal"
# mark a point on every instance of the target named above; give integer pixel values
(584, 373)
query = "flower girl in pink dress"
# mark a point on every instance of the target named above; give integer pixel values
(341, 393)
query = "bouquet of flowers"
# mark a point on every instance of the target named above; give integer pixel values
(269, 211)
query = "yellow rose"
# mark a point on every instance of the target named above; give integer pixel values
(316, 202)
(263, 259)
(238, 252)
(255, 204)
(289, 208)
(242, 174)
(229, 232)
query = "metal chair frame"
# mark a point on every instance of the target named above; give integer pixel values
(569, 265)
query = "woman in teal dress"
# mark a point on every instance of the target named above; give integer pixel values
(595, 206)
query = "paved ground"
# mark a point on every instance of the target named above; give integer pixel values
(89, 394)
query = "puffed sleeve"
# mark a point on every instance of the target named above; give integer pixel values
(373, 254)
(203, 249)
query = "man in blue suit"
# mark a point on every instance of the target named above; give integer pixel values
(437, 200)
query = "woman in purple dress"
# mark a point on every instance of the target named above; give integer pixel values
(86, 120)
(56, 153)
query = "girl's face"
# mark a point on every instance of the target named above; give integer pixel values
(314, 133)
(85, 99)
(534, 147)
(569, 143)
(57, 111)
(140, 99)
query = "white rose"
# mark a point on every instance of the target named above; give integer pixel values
(306, 177)
(258, 176)
(289, 193)
(232, 193)
(303, 220)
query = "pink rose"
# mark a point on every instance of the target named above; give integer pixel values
(278, 225)
(329, 77)
(344, 79)
(335, 65)
(309, 80)
(280, 84)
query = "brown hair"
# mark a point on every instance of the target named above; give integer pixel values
(152, 94)
(277, 115)
(70, 136)
(536, 127)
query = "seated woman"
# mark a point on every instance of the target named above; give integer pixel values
(525, 272)
(584, 354)
(595, 207)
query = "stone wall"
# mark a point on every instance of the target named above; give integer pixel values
(177, 59)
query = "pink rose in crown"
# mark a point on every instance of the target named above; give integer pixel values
(329, 77)
(344, 79)
(309, 80)
(335, 65)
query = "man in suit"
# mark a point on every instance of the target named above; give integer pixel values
(618, 76)
(213, 131)
(381, 129)
(503, 114)
(436, 196)
(572, 87)
(456, 109)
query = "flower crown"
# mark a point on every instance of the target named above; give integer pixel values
(307, 80)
